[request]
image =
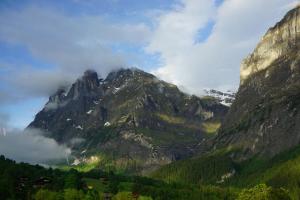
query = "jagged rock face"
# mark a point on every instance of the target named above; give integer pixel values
(88, 85)
(264, 119)
(130, 116)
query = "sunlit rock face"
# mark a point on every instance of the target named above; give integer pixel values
(264, 119)
(278, 41)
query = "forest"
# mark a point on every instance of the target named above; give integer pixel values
(25, 181)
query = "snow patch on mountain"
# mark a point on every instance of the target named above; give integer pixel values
(225, 98)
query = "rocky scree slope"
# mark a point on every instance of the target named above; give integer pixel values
(136, 120)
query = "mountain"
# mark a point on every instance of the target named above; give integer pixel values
(264, 119)
(225, 98)
(258, 141)
(130, 120)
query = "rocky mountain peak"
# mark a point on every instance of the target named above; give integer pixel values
(132, 117)
(129, 73)
(279, 41)
(91, 76)
(87, 85)
(89, 80)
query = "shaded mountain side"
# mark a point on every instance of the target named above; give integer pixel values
(264, 118)
(131, 119)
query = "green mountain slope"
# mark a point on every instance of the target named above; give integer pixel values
(282, 171)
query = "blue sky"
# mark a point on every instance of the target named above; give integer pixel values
(195, 44)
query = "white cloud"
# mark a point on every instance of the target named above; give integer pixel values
(291, 5)
(74, 43)
(31, 146)
(71, 43)
(215, 62)
(176, 30)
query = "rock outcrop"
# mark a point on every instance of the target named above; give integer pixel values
(278, 42)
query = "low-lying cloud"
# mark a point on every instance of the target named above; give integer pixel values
(31, 146)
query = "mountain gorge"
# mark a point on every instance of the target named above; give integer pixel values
(130, 120)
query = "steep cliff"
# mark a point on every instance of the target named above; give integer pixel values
(264, 119)
(280, 41)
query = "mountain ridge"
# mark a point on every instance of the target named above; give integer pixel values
(130, 117)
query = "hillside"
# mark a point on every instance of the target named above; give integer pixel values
(218, 168)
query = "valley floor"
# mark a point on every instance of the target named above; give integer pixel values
(206, 178)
